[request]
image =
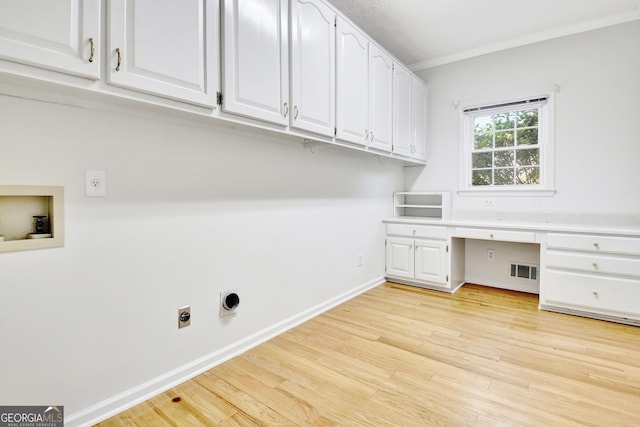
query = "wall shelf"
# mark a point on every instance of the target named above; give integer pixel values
(435, 205)
(19, 204)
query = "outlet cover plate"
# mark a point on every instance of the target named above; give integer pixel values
(95, 183)
(187, 322)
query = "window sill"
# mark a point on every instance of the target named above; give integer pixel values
(508, 192)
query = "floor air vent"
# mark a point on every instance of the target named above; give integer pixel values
(524, 271)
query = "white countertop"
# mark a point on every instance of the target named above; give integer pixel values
(519, 225)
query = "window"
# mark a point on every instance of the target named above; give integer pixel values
(508, 147)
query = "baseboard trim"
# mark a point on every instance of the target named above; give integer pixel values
(530, 288)
(590, 314)
(440, 288)
(129, 398)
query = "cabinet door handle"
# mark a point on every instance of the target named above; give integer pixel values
(371, 136)
(286, 109)
(366, 135)
(93, 49)
(119, 59)
(295, 112)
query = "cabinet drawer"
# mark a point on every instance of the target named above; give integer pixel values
(593, 263)
(605, 295)
(502, 235)
(423, 231)
(594, 243)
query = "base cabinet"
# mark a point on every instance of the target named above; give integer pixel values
(591, 272)
(593, 275)
(421, 261)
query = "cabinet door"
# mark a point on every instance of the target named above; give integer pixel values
(400, 260)
(256, 60)
(62, 35)
(431, 261)
(419, 119)
(402, 100)
(313, 66)
(168, 48)
(380, 99)
(352, 103)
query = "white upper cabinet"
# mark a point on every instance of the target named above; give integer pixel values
(419, 119)
(255, 59)
(352, 80)
(61, 35)
(402, 106)
(313, 67)
(380, 99)
(409, 114)
(168, 48)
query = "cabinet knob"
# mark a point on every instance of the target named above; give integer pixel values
(595, 294)
(491, 235)
(595, 265)
(596, 245)
(414, 232)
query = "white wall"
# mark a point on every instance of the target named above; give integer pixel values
(596, 123)
(190, 211)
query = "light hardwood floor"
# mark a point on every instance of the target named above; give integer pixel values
(404, 356)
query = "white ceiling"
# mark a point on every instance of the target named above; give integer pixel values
(425, 33)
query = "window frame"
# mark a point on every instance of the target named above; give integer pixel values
(546, 145)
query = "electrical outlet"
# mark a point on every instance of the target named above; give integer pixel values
(95, 183)
(229, 302)
(491, 254)
(184, 316)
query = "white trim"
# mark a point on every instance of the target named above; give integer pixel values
(142, 392)
(526, 40)
(546, 147)
(586, 313)
(527, 285)
(506, 192)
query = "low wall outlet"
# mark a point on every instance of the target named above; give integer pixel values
(229, 302)
(184, 316)
(491, 254)
(95, 183)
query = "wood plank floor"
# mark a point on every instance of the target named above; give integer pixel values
(404, 356)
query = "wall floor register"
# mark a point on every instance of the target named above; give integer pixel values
(31, 416)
